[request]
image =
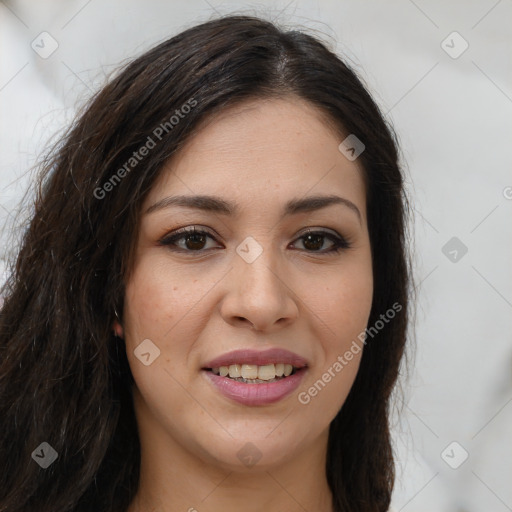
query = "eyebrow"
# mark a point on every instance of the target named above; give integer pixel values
(221, 206)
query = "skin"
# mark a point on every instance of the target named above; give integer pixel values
(195, 306)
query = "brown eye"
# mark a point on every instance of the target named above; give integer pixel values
(196, 241)
(193, 240)
(314, 240)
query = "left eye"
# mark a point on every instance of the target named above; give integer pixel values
(194, 241)
(311, 240)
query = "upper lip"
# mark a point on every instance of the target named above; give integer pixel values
(258, 357)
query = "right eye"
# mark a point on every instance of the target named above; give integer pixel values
(193, 240)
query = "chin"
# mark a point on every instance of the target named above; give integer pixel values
(252, 450)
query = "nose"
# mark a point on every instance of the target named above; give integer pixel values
(258, 295)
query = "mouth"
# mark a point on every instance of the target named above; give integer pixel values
(255, 374)
(256, 377)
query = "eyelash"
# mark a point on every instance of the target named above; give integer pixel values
(340, 243)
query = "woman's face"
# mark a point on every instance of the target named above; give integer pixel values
(254, 281)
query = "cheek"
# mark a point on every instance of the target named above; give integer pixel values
(154, 305)
(342, 298)
(162, 305)
(156, 298)
(344, 302)
(344, 307)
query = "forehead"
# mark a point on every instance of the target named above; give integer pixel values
(263, 150)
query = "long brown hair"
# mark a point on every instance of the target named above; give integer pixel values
(64, 377)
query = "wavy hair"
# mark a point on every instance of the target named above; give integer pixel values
(64, 376)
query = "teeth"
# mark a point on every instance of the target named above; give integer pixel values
(249, 371)
(265, 372)
(235, 370)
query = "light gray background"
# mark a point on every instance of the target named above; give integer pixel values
(453, 116)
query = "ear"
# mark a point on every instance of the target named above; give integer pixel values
(117, 328)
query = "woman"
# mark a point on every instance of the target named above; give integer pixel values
(209, 307)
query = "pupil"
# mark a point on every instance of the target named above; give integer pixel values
(194, 237)
(307, 241)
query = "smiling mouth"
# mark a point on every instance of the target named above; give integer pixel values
(255, 374)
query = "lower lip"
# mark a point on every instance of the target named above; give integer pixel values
(256, 394)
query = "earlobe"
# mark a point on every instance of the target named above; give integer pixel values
(118, 330)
